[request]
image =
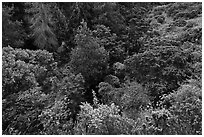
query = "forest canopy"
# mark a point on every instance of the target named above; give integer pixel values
(101, 68)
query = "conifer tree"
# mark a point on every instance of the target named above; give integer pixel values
(42, 26)
(13, 33)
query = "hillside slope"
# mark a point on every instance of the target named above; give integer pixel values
(177, 21)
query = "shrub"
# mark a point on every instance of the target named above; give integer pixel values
(57, 119)
(112, 80)
(161, 66)
(105, 92)
(20, 112)
(24, 69)
(186, 109)
(102, 120)
(72, 87)
(180, 114)
(26, 75)
(134, 97)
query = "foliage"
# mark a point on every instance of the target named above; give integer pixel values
(186, 108)
(165, 66)
(56, 119)
(180, 115)
(88, 58)
(112, 80)
(25, 74)
(184, 8)
(134, 97)
(137, 64)
(42, 26)
(24, 69)
(21, 111)
(13, 33)
(111, 42)
(72, 87)
(130, 97)
(103, 120)
(105, 92)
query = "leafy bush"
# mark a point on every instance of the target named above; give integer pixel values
(102, 120)
(181, 113)
(59, 116)
(134, 97)
(131, 97)
(112, 80)
(105, 92)
(21, 111)
(26, 75)
(119, 70)
(165, 66)
(24, 69)
(56, 119)
(186, 108)
(156, 122)
(72, 87)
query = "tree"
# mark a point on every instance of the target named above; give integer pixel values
(88, 58)
(161, 69)
(102, 120)
(42, 26)
(27, 78)
(13, 33)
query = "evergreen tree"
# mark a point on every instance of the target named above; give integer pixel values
(13, 33)
(42, 26)
(88, 58)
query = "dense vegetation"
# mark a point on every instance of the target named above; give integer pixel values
(101, 68)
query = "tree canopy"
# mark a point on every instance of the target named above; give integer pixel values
(101, 68)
